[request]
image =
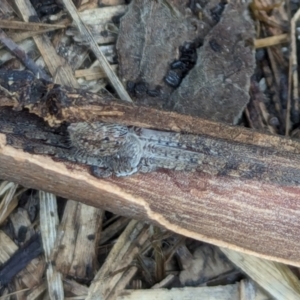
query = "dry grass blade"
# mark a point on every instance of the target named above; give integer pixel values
(271, 41)
(228, 292)
(293, 74)
(7, 247)
(103, 62)
(93, 73)
(79, 291)
(37, 292)
(29, 25)
(26, 60)
(6, 297)
(118, 269)
(277, 279)
(210, 206)
(57, 66)
(9, 201)
(49, 223)
(20, 36)
(165, 282)
(113, 229)
(79, 234)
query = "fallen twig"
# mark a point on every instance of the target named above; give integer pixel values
(224, 210)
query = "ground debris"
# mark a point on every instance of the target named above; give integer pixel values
(192, 56)
(149, 40)
(158, 46)
(218, 86)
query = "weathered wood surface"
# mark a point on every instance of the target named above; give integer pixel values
(253, 216)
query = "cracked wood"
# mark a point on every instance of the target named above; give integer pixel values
(255, 216)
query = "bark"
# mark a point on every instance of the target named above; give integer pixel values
(250, 215)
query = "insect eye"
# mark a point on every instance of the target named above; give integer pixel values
(106, 139)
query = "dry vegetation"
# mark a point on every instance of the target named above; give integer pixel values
(57, 248)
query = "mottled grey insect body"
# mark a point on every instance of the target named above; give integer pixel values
(108, 148)
(112, 149)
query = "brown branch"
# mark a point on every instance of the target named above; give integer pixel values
(253, 216)
(56, 104)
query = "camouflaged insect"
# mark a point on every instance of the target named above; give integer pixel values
(122, 151)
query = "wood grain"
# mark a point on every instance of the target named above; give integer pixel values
(257, 217)
(249, 216)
